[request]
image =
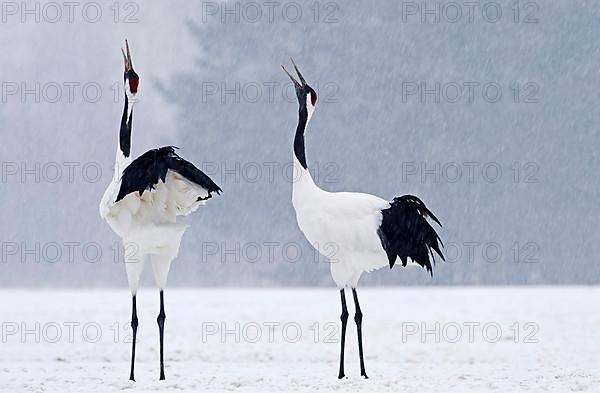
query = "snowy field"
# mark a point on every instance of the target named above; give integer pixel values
(486, 339)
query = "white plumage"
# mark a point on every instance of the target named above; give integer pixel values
(147, 223)
(346, 221)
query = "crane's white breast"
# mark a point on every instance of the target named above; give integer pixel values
(343, 227)
(149, 220)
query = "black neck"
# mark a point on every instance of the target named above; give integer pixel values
(125, 133)
(299, 138)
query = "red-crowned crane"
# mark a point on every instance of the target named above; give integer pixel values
(142, 203)
(368, 232)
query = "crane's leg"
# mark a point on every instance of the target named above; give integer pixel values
(161, 265)
(358, 319)
(134, 326)
(344, 318)
(161, 332)
(134, 265)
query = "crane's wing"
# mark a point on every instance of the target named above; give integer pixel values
(163, 166)
(406, 233)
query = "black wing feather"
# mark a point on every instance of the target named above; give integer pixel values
(146, 170)
(405, 232)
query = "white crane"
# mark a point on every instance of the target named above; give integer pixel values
(143, 201)
(368, 232)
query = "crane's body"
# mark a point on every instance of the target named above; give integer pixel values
(142, 203)
(146, 221)
(357, 232)
(342, 226)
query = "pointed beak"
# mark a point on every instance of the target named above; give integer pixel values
(127, 57)
(296, 84)
(302, 82)
(298, 72)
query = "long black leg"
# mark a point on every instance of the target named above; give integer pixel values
(161, 331)
(358, 319)
(134, 326)
(344, 318)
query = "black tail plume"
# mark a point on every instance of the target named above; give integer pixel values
(406, 233)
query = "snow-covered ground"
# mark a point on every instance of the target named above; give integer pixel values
(278, 340)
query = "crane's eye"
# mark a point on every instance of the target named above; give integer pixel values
(313, 97)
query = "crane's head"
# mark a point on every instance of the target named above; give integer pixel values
(132, 80)
(307, 97)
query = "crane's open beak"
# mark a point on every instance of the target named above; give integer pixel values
(127, 57)
(296, 83)
(131, 77)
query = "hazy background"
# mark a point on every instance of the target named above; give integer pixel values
(535, 223)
